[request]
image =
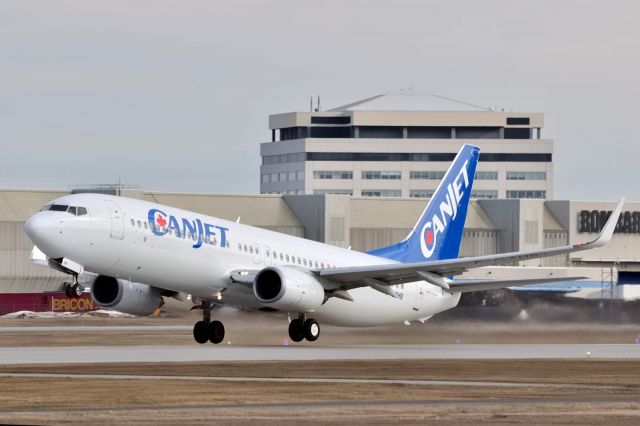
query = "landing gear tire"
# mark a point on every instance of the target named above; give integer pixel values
(216, 332)
(296, 333)
(200, 332)
(73, 290)
(76, 290)
(311, 330)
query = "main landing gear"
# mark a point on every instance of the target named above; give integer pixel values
(73, 289)
(207, 330)
(302, 328)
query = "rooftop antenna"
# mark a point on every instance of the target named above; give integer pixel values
(311, 103)
(318, 102)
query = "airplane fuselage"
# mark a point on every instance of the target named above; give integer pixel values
(188, 252)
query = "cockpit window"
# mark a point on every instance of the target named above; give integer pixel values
(74, 210)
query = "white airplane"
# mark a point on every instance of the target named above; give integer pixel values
(141, 252)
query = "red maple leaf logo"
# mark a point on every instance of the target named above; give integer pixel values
(429, 237)
(161, 221)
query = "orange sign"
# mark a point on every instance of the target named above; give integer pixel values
(70, 304)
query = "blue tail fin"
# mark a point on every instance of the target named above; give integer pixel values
(438, 233)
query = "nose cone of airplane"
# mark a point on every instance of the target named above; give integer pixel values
(44, 231)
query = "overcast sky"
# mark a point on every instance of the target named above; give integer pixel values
(175, 95)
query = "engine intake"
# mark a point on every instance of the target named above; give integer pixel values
(126, 296)
(287, 288)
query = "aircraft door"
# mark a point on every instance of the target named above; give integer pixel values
(417, 304)
(117, 220)
(257, 254)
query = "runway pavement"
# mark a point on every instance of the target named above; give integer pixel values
(208, 352)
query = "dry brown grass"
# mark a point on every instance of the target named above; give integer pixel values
(613, 393)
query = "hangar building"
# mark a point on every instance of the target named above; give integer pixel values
(365, 223)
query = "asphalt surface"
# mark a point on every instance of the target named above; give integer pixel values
(209, 352)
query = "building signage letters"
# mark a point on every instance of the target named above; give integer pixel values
(593, 221)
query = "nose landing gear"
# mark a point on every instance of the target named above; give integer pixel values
(301, 328)
(207, 330)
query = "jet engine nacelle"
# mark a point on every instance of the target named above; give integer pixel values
(288, 289)
(125, 296)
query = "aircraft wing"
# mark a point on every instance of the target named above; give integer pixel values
(378, 276)
(478, 285)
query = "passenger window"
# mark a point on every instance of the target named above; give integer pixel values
(304, 262)
(251, 249)
(257, 250)
(316, 263)
(145, 225)
(245, 248)
(133, 222)
(239, 247)
(322, 265)
(287, 258)
(139, 224)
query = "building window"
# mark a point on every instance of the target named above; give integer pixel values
(527, 194)
(484, 194)
(387, 132)
(420, 132)
(292, 176)
(333, 192)
(518, 121)
(517, 133)
(332, 175)
(426, 175)
(283, 176)
(274, 177)
(330, 132)
(421, 193)
(300, 175)
(526, 175)
(283, 158)
(289, 133)
(265, 178)
(486, 175)
(477, 133)
(443, 157)
(382, 175)
(331, 120)
(381, 193)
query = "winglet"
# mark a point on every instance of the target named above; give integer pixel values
(607, 231)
